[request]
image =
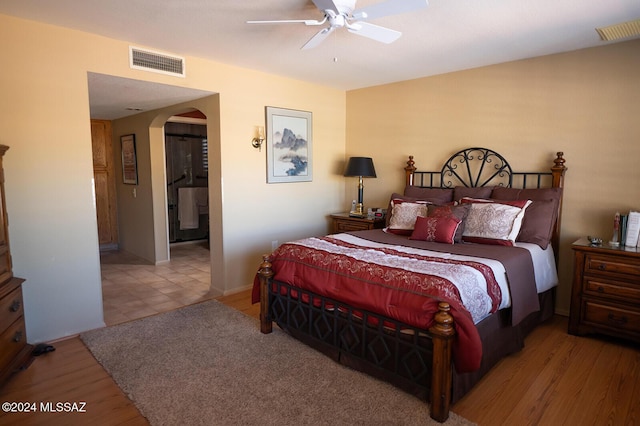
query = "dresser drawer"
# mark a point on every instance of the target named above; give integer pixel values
(618, 318)
(624, 291)
(12, 341)
(614, 265)
(11, 308)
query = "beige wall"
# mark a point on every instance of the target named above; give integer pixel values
(45, 110)
(584, 103)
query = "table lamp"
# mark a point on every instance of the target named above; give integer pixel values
(361, 167)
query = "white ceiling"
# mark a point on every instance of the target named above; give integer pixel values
(446, 36)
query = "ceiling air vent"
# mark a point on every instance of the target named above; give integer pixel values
(157, 62)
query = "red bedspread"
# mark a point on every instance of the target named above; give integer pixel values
(388, 282)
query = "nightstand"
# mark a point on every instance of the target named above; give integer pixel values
(342, 222)
(605, 297)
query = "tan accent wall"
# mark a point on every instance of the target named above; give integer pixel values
(584, 103)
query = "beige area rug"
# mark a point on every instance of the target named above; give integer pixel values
(208, 364)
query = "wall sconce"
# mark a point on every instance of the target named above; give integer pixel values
(361, 167)
(257, 141)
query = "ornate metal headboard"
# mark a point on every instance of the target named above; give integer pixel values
(476, 167)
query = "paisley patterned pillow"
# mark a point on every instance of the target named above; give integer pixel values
(494, 222)
(404, 215)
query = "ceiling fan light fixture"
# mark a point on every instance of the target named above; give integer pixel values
(620, 31)
(341, 14)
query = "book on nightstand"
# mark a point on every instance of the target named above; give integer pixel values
(632, 229)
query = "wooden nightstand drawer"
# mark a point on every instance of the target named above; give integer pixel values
(342, 222)
(347, 225)
(618, 318)
(614, 265)
(616, 289)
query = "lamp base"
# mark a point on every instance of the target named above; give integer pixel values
(358, 212)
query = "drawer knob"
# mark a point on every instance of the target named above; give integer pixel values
(17, 337)
(617, 319)
(602, 266)
(15, 306)
(600, 289)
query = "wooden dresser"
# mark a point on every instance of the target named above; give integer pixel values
(605, 297)
(14, 350)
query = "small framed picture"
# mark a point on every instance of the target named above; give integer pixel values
(129, 161)
(289, 145)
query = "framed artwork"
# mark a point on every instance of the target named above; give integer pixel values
(289, 145)
(129, 162)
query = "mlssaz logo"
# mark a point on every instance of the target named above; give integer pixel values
(63, 407)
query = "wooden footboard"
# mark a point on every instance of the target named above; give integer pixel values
(437, 353)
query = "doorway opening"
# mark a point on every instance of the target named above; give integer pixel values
(187, 170)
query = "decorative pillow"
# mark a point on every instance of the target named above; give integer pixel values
(457, 212)
(494, 222)
(443, 195)
(404, 214)
(436, 229)
(404, 198)
(460, 192)
(540, 217)
(538, 223)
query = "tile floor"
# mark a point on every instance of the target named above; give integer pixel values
(133, 288)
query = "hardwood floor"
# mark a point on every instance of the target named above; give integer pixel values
(556, 380)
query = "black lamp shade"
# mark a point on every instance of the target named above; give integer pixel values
(360, 166)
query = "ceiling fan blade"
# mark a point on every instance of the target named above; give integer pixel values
(291, 21)
(326, 5)
(387, 8)
(318, 38)
(374, 32)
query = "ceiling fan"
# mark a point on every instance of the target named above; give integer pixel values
(341, 14)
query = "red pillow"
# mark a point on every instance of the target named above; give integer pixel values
(436, 229)
(457, 212)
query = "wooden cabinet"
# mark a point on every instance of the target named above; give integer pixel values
(605, 296)
(342, 222)
(14, 350)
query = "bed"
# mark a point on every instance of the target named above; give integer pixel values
(464, 269)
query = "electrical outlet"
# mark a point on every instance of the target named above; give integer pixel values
(274, 244)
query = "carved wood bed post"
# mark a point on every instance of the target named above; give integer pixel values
(266, 274)
(411, 167)
(442, 336)
(557, 171)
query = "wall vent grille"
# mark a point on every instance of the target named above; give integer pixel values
(156, 62)
(620, 31)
